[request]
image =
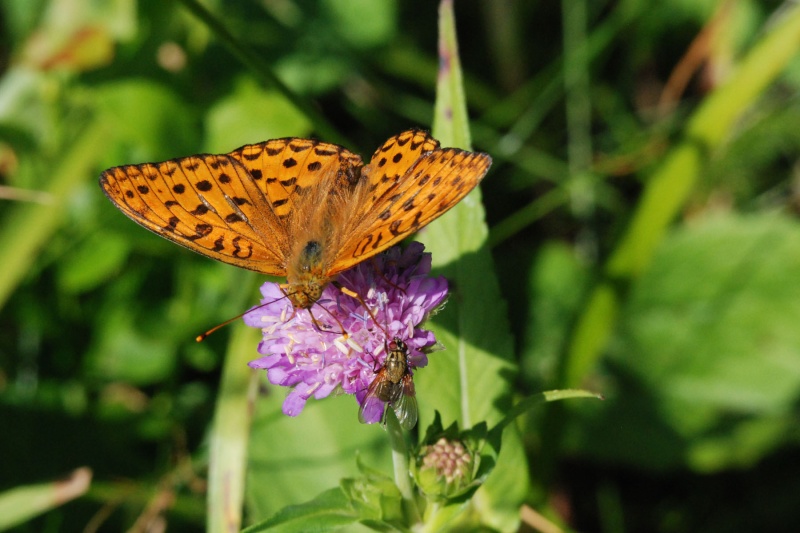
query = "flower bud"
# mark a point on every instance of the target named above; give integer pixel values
(445, 469)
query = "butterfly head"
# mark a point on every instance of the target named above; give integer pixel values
(305, 293)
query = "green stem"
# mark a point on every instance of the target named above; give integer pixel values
(230, 433)
(517, 221)
(400, 462)
(28, 227)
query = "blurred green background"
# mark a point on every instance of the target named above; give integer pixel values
(582, 105)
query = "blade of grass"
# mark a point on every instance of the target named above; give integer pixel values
(522, 113)
(450, 120)
(669, 187)
(20, 504)
(28, 226)
(231, 430)
(479, 338)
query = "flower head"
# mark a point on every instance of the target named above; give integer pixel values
(344, 344)
(445, 468)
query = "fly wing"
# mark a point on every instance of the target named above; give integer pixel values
(405, 408)
(371, 409)
(406, 411)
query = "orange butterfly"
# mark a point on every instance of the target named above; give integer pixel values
(295, 207)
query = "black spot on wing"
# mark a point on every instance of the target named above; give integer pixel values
(201, 230)
(238, 251)
(200, 210)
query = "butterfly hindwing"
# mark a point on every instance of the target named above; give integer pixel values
(285, 168)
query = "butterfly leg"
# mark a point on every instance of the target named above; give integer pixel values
(343, 332)
(381, 272)
(358, 297)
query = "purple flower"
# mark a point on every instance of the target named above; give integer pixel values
(316, 359)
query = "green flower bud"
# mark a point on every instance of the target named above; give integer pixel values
(445, 469)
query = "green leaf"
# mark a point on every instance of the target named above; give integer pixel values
(363, 23)
(92, 262)
(710, 333)
(250, 115)
(292, 458)
(669, 187)
(122, 352)
(150, 122)
(568, 394)
(471, 380)
(715, 321)
(374, 497)
(557, 281)
(329, 511)
(450, 120)
(261, 68)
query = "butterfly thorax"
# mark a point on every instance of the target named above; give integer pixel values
(306, 279)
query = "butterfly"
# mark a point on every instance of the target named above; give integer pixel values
(393, 384)
(294, 207)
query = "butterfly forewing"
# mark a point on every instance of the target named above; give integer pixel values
(392, 160)
(201, 202)
(436, 182)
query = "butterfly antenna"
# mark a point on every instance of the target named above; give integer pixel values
(320, 328)
(381, 273)
(358, 297)
(202, 336)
